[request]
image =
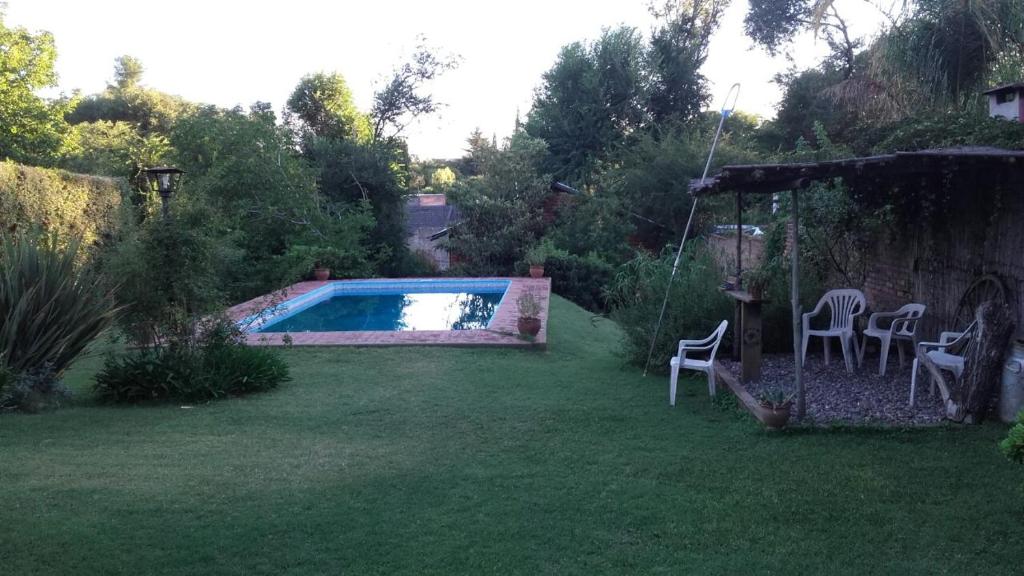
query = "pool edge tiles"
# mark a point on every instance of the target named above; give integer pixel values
(500, 332)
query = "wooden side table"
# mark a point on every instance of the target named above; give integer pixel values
(747, 332)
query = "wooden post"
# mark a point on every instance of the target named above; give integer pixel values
(737, 327)
(795, 302)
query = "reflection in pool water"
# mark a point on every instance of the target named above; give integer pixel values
(394, 312)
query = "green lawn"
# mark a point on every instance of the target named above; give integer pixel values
(444, 461)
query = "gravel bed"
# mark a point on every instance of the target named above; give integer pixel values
(837, 397)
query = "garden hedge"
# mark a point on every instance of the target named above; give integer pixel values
(56, 201)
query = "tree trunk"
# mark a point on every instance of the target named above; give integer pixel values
(969, 402)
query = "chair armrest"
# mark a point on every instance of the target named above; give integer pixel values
(876, 316)
(898, 323)
(687, 348)
(949, 337)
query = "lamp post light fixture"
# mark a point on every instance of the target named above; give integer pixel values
(164, 180)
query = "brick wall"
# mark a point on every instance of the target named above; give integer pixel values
(937, 262)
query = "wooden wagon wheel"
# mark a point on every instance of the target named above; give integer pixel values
(985, 288)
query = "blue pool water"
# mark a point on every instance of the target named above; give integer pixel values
(390, 306)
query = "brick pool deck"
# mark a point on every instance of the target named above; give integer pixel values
(502, 331)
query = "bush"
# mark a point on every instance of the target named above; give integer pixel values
(219, 366)
(583, 280)
(67, 205)
(33, 390)
(1013, 444)
(695, 304)
(51, 306)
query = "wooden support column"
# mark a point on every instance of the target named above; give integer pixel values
(795, 302)
(737, 326)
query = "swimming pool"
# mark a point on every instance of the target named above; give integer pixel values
(386, 306)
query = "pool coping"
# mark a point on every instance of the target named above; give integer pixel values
(502, 330)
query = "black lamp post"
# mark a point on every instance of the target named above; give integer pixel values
(165, 180)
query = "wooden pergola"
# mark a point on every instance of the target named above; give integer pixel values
(921, 168)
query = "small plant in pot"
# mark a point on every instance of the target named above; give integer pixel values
(529, 314)
(321, 272)
(537, 256)
(756, 282)
(775, 408)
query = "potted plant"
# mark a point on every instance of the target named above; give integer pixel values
(756, 281)
(537, 256)
(320, 272)
(529, 314)
(775, 408)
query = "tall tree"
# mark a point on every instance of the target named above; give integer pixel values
(678, 50)
(324, 105)
(402, 99)
(590, 102)
(32, 128)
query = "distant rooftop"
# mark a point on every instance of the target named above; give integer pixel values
(1016, 86)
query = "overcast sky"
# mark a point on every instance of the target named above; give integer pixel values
(237, 52)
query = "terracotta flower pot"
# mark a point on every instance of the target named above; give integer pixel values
(536, 271)
(529, 326)
(775, 418)
(321, 274)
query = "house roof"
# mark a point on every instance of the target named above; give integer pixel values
(1014, 87)
(434, 217)
(770, 178)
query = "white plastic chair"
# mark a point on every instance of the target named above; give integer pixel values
(943, 354)
(710, 345)
(902, 327)
(844, 305)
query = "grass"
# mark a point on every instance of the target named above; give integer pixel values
(445, 461)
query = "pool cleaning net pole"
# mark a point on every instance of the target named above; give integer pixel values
(734, 93)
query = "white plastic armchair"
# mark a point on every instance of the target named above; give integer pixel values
(903, 325)
(946, 354)
(708, 345)
(844, 305)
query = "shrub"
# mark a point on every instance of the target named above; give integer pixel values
(220, 365)
(1013, 444)
(51, 307)
(67, 205)
(583, 280)
(695, 304)
(34, 390)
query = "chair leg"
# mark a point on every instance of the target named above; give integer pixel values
(847, 342)
(803, 354)
(900, 350)
(913, 380)
(828, 354)
(860, 352)
(673, 380)
(712, 390)
(883, 357)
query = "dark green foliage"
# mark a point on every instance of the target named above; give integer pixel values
(772, 23)
(695, 305)
(60, 203)
(594, 224)
(678, 49)
(51, 307)
(169, 271)
(33, 390)
(580, 279)
(589, 102)
(190, 375)
(502, 210)
(654, 176)
(216, 365)
(32, 129)
(943, 131)
(376, 172)
(1013, 444)
(323, 104)
(261, 200)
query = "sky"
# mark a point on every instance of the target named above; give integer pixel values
(228, 52)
